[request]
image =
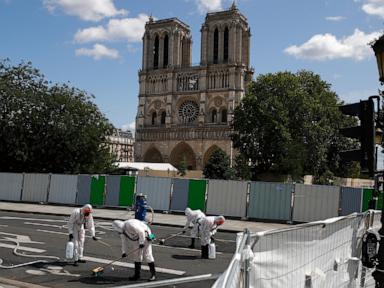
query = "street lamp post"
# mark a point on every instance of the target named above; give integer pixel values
(378, 274)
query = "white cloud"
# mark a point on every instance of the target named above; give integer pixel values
(327, 47)
(98, 52)
(335, 18)
(209, 5)
(90, 10)
(131, 126)
(374, 7)
(131, 29)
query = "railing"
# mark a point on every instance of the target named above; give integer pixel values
(317, 254)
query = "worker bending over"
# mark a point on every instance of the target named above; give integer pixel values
(140, 235)
(208, 228)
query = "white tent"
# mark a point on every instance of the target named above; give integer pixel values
(146, 166)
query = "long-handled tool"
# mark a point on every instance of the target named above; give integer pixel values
(162, 241)
(99, 270)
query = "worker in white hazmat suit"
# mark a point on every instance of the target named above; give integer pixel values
(193, 223)
(139, 234)
(80, 219)
(208, 228)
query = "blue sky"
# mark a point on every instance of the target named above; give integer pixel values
(96, 44)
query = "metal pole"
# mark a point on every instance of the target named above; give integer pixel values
(247, 261)
(378, 274)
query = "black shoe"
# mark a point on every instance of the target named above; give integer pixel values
(152, 278)
(134, 277)
(75, 263)
(191, 246)
(82, 261)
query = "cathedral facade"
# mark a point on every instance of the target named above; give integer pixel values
(184, 110)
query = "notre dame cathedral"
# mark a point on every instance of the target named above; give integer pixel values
(185, 110)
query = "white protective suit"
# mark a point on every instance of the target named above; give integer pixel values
(135, 232)
(193, 219)
(77, 224)
(208, 228)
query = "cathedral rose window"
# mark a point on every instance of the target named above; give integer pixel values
(188, 111)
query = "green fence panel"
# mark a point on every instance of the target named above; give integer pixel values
(97, 190)
(367, 196)
(379, 203)
(196, 194)
(127, 189)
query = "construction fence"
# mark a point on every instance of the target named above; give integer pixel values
(240, 199)
(312, 255)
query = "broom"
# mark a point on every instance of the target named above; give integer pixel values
(99, 270)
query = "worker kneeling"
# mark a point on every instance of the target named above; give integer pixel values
(208, 228)
(140, 235)
(80, 219)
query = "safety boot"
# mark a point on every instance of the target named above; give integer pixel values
(136, 276)
(153, 271)
(192, 243)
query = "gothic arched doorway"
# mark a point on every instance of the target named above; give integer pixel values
(183, 152)
(153, 156)
(208, 154)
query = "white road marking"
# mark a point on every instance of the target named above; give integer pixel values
(22, 248)
(57, 232)
(180, 248)
(35, 272)
(218, 239)
(19, 238)
(130, 265)
(31, 219)
(46, 225)
(3, 225)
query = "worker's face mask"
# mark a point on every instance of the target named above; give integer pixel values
(86, 214)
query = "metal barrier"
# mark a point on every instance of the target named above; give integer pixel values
(317, 254)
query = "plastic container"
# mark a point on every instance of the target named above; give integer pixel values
(212, 251)
(69, 250)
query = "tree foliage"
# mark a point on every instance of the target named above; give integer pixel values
(288, 123)
(49, 128)
(218, 166)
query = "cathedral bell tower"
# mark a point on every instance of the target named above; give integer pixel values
(184, 111)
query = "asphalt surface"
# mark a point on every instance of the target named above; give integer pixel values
(47, 235)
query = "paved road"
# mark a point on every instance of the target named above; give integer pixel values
(47, 235)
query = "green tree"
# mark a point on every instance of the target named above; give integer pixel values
(182, 167)
(289, 124)
(48, 127)
(218, 166)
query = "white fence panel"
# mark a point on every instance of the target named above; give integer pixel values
(63, 189)
(322, 254)
(10, 186)
(315, 202)
(228, 198)
(157, 189)
(35, 187)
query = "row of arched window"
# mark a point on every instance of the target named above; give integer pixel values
(154, 120)
(156, 51)
(216, 45)
(218, 117)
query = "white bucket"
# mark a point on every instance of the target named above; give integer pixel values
(212, 251)
(69, 250)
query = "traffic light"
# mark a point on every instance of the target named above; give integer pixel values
(365, 133)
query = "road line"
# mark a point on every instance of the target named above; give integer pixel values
(57, 232)
(218, 239)
(130, 265)
(23, 248)
(31, 219)
(181, 248)
(46, 225)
